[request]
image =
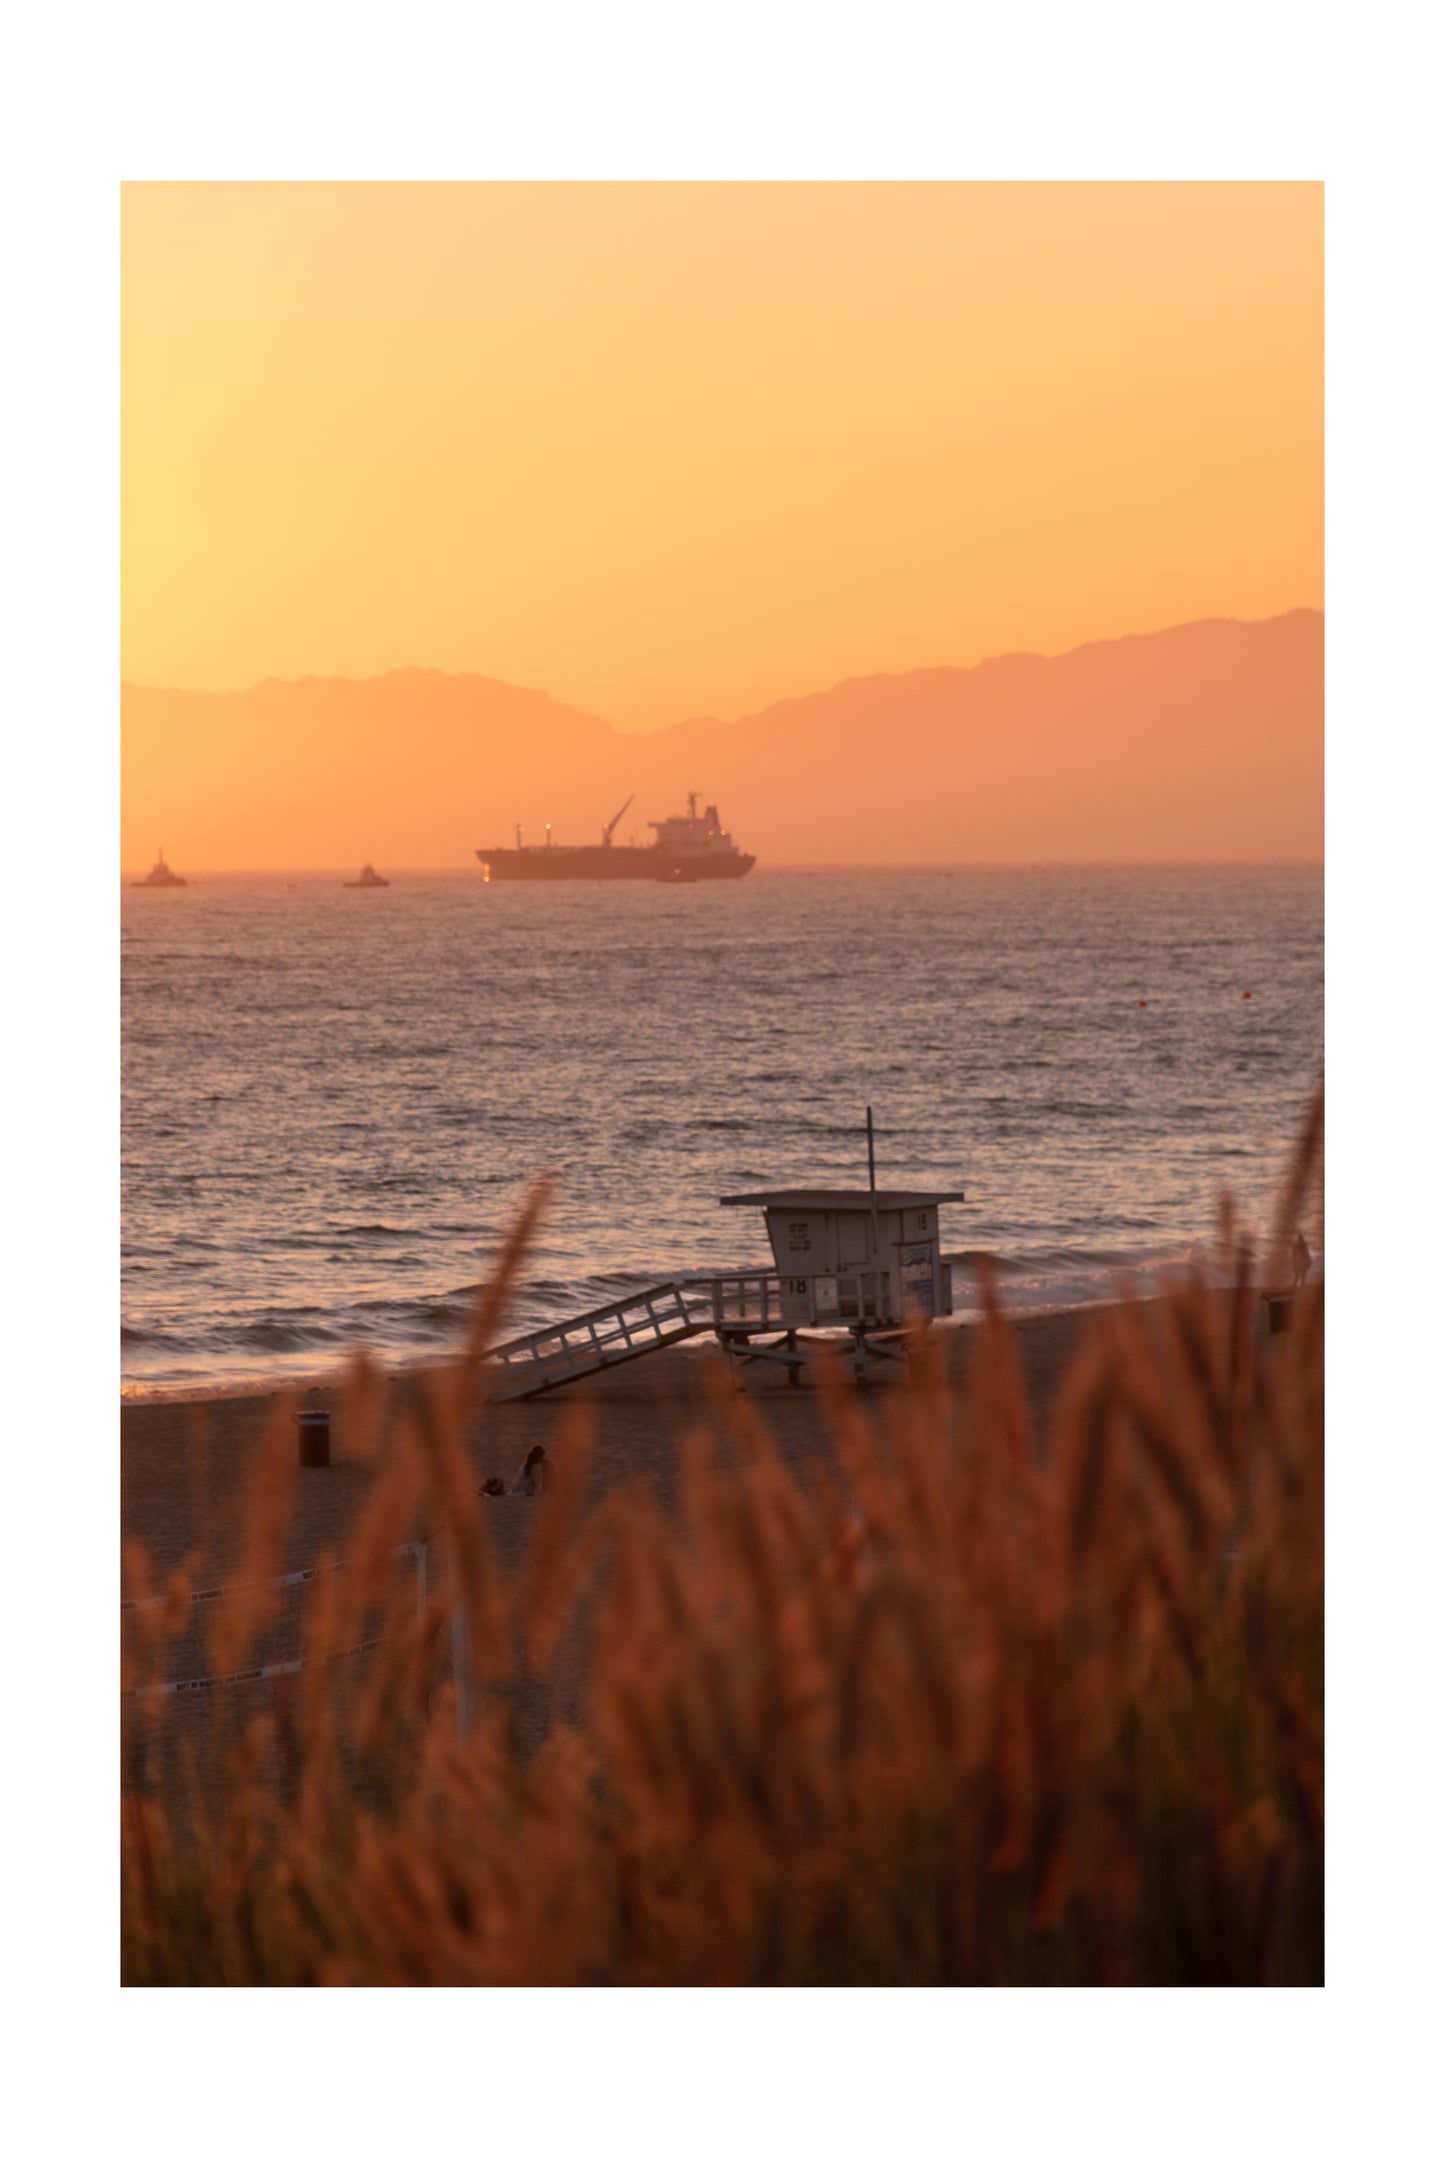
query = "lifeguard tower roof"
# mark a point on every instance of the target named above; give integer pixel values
(848, 1200)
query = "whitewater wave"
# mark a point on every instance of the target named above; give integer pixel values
(400, 1328)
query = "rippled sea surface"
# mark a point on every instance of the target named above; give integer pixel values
(334, 1099)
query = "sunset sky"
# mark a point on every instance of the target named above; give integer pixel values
(668, 450)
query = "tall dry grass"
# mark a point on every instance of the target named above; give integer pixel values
(953, 1704)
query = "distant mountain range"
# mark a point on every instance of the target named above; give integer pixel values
(1202, 742)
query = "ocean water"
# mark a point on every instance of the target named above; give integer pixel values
(332, 1101)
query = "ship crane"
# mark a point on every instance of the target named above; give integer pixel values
(607, 831)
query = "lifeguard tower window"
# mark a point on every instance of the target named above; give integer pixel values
(853, 1244)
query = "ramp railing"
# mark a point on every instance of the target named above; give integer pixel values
(616, 1332)
(619, 1332)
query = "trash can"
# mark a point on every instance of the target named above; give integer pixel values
(314, 1425)
(1281, 1312)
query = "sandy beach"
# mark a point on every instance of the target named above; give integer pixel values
(185, 1464)
(187, 1469)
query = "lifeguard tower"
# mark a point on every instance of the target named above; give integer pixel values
(861, 1261)
(864, 1260)
(857, 1257)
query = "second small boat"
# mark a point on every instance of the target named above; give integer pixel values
(161, 876)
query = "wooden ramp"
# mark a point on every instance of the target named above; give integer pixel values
(619, 1332)
(743, 1309)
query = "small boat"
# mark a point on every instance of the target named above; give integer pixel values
(368, 878)
(160, 875)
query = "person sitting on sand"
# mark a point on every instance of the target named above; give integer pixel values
(494, 1487)
(1302, 1260)
(534, 1476)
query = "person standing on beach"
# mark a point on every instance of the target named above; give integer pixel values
(1302, 1260)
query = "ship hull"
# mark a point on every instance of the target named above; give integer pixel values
(596, 862)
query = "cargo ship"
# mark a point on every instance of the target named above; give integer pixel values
(690, 846)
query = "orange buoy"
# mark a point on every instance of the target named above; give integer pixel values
(1249, 997)
(1142, 1004)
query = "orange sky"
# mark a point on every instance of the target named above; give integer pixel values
(665, 450)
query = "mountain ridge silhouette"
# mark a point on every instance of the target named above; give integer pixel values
(1201, 740)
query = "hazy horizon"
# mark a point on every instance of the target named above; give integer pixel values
(1202, 743)
(396, 870)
